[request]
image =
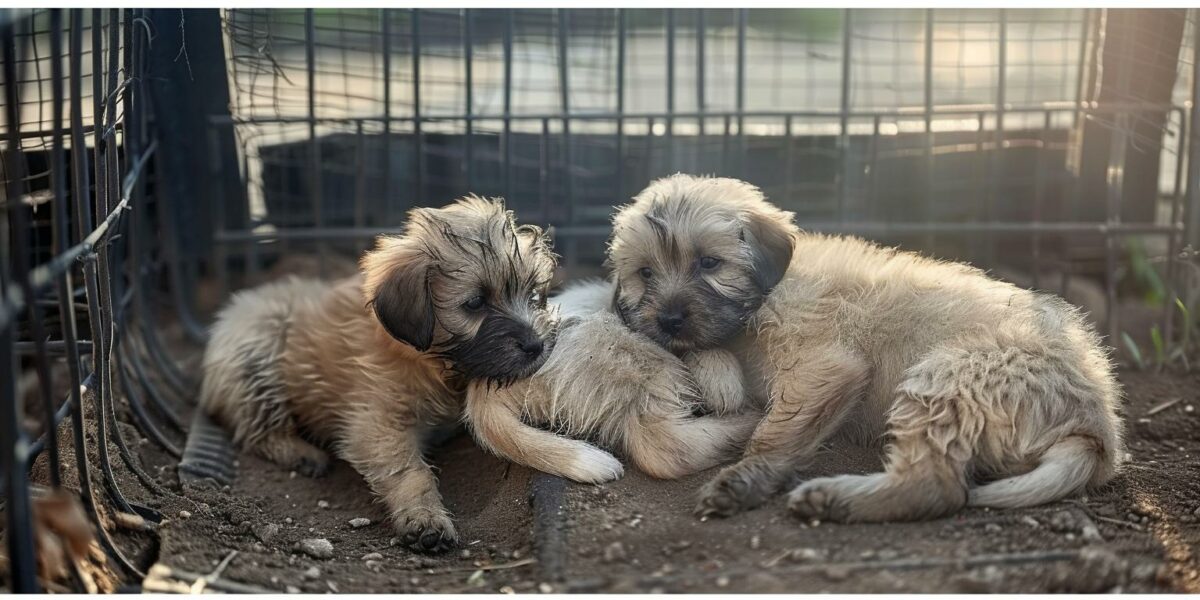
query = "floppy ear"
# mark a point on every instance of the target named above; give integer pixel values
(771, 242)
(617, 307)
(404, 306)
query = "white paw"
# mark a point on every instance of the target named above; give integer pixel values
(593, 465)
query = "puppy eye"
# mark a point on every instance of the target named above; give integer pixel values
(645, 272)
(475, 303)
(536, 299)
(709, 262)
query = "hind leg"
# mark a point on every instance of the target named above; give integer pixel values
(287, 449)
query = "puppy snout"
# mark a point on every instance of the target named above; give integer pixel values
(671, 320)
(531, 346)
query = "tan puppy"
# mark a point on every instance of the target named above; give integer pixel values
(370, 364)
(613, 386)
(991, 395)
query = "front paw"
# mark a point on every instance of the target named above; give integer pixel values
(425, 530)
(733, 490)
(718, 378)
(593, 465)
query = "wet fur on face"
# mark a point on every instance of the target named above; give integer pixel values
(467, 284)
(693, 258)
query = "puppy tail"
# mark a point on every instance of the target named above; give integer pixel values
(1067, 467)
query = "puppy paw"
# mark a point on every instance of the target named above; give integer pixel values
(424, 530)
(593, 465)
(730, 492)
(820, 498)
(718, 377)
(316, 465)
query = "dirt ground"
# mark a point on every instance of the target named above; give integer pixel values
(1140, 534)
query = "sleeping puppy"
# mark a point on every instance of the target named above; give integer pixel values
(991, 395)
(617, 388)
(371, 364)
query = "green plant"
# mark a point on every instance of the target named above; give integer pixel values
(1134, 351)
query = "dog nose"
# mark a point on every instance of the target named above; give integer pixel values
(671, 321)
(532, 347)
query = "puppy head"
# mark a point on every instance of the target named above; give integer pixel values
(693, 258)
(466, 283)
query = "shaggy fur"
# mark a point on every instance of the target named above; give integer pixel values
(991, 395)
(612, 386)
(371, 364)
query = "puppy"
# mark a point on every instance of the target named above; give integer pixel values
(991, 395)
(371, 364)
(606, 383)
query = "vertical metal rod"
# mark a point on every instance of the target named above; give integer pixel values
(742, 16)
(621, 33)
(998, 153)
(572, 255)
(418, 137)
(508, 81)
(1191, 222)
(1115, 191)
(388, 203)
(22, 564)
(1081, 62)
(928, 180)
(470, 96)
(789, 156)
(314, 144)
(873, 194)
(1039, 182)
(360, 177)
(844, 118)
(670, 118)
(1173, 239)
(700, 65)
(544, 169)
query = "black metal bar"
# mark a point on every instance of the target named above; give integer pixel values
(670, 117)
(564, 87)
(844, 120)
(544, 168)
(508, 63)
(1191, 235)
(22, 561)
(622, 31)
(1169, 307)
(928, 175)
(742, 16)
(314, 143)
(386, 18)
(701, 31)
(468, 67)
(418, 138)
(1039, 177)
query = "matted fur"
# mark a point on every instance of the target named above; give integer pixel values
(616, 388)
(368, 365)
(990, 394)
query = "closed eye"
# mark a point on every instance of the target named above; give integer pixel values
(709, 262)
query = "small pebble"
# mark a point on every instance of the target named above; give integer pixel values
(545, 588)
(803, 555)
(465, 553)
(1189, 408)
(615, 552)
(265, 532)
(359, 522)
(993, 528)
(755, 542)
(316, 548)
(292, 475)
(1197, 511)
(508, 589)
(1030, 521)
(723, 581)
(183, 514)
(312, 573)
(373, 556)
(288, 520)
(836, 573)
(291, 589)
(374, 565)
(322, 504)
(332, 586)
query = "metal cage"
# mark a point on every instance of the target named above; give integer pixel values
(155, 158)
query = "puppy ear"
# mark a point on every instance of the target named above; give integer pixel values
(617, 306)
(771, 242)
(404, 305)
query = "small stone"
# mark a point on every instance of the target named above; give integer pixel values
(1189, 408)
(723, 581)
(1196, 512)
(316, 547)
(993, 528)
(183, 514)
(373, 556)
(515, 554)
(414, 581)
(804, 555)
(265, 532)
(322, 504)
(507, 589)
(291, 589)
(615, 552)
(312, 573)
(332, 586)
(359, 522)
(836, 573)
(374, 565)
(476, 579)
(755, 542)
(1030, 521)
(888, 554)
(292, 475)
(545, 588)
(465, 553)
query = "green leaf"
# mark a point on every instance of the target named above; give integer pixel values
(1134, 352)
(1160, 348)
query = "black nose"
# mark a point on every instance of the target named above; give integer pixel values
(532, 347)
(671, 321)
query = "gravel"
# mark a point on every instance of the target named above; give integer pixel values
(316, 547)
